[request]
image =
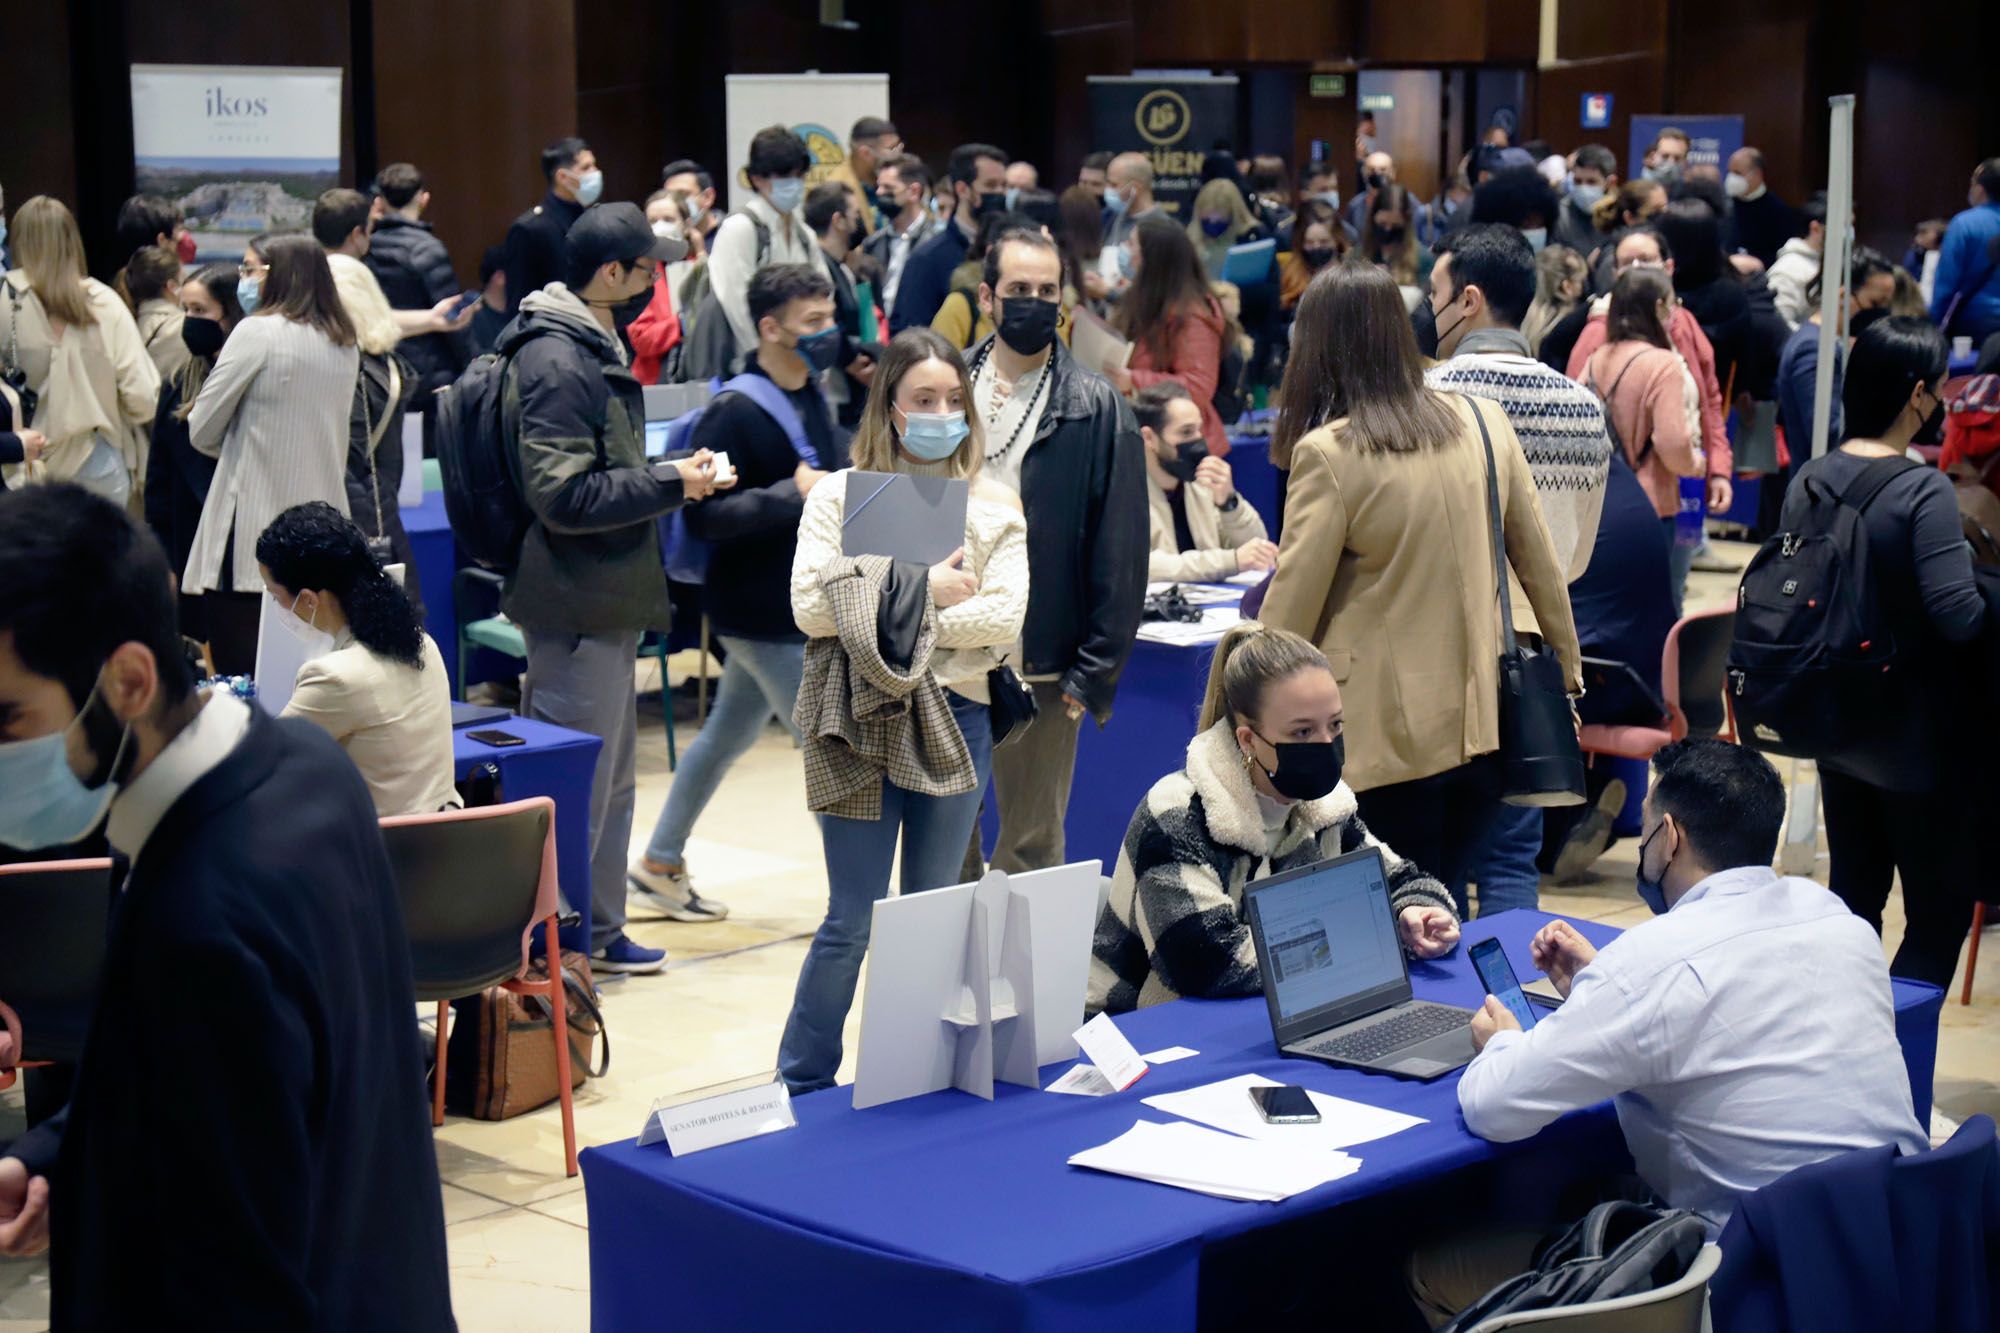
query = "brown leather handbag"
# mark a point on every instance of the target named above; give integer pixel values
(501, 1061)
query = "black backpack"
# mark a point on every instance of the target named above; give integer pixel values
(479, 463)
(708, 348)
(1618, 1249)
(1812, 658)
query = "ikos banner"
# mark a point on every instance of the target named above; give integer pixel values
(819, 108)
(1712, 140)
(1172, 121)
(242, 149)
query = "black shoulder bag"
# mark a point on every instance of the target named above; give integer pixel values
(1538, 745)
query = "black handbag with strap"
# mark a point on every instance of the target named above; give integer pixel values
(1538, 744)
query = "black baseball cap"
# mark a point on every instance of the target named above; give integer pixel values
(615, 233)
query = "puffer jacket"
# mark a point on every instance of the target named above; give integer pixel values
(1083, 488)
(415, 271)
(590, 563)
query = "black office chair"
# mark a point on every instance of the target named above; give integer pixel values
(53, 920)
(474, 885)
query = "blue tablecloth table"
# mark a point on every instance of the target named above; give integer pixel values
(948, 1212)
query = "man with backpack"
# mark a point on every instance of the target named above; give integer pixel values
(1745, 1032)
(774, 424)
(588, 580)
(768, 229)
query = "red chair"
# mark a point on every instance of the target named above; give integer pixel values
(475, 884)
(1693, 669)
(53, 919)
(1972, 951)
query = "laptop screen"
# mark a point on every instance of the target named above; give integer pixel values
(656, 439)
(1328, 936)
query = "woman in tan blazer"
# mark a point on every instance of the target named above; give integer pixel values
(1387, 564)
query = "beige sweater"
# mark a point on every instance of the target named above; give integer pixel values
(1217, 533)
(971, 635)
(107, 357)
(393, 720)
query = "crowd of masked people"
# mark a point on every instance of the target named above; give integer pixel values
(1485, 406)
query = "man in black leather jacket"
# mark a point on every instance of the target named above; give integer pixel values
(1062, 437)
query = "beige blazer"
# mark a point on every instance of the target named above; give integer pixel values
(1386, 563)
(1216, 534)
(394, 721)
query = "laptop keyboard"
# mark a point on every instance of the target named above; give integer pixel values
(1417, 1023)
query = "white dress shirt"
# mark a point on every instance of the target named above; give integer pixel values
(1746, 1032)
(203, 743)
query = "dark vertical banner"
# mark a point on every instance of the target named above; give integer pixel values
(1173, 121)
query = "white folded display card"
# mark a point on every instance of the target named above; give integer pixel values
(710, 1117)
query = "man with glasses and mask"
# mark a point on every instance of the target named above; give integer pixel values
(588, 582)
(1062, 438)
(978, 176)
(277, 1117)
(1745, 1031)
(774, 424)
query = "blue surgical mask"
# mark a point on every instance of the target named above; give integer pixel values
(1538, 237)
(248, 292)
(1114, 202)
(1013, 197)
(47, 804)
(589, 186)
(1331, 198)
(3, 231)
(820, 350)
(787, 192)
(934, 436)
(1125, 267)
(1586, 196)
(1652, 892)
(1213, 228)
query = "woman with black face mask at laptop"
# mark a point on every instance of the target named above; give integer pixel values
(1260, 793)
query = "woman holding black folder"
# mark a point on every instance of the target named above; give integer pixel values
(917, 423)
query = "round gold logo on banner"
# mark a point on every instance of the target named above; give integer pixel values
(1162, 118)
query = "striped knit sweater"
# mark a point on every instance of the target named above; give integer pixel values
(1174, 923)
(1561, 427)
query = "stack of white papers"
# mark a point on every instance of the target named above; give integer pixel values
(1192, 1158)
(1227, 1105)
(1214, 623)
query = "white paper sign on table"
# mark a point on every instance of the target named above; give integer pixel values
(1105, 1046)
(727, 1117)
(1192, 1158)
(1082, 1081)
(1227, 1105)
(1169, 1055)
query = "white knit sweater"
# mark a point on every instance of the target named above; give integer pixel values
(996, 553)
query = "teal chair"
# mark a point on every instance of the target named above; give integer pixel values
(501, 635)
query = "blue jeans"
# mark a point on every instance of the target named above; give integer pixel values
(1680, 559)
(1505, 868)
(934, 830)
(759, 678)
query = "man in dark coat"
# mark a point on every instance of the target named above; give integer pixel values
(535, 255)
(248, 1144)
(415, 271)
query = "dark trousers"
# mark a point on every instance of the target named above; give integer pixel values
(1874, 835)
(1439, 822)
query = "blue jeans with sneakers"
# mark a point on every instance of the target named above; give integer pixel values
(759, 677)
(934, 832)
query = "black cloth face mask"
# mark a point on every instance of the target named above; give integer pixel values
(1187, 458)
(1307, 770)
(1027, 323)
(202, 336)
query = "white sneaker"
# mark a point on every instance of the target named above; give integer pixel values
(669, 895)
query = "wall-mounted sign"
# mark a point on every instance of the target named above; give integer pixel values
(1378, 101)
(1596, 111)
(1174, 121)
(1327, 85)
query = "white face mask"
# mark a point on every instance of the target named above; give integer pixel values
(1537, 237)
(668, 231)
(1736, 185)
(1586, 196)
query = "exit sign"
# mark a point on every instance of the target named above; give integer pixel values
(1378, 101)
(1327, 85)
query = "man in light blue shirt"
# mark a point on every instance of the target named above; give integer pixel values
(1747, 1031)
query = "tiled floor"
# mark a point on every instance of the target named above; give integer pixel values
(519, 1257)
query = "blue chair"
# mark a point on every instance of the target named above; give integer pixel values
(498, 634)
(1869, 1240)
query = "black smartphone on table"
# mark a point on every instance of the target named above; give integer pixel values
(498, 739)
(1286, 1104)
(1489, 960)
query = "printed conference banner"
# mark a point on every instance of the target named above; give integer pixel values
(819, 108)
(242, 149)
(1173, 121)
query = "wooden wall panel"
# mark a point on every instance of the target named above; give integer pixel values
(1594, 29)
(1396, 32)
(38, 152)
(476, 138)
(1637, 83)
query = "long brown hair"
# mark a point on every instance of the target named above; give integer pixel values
(1250, 659)
(1401, 256)
(49, 249)
(1354, 355)
(1082, 237)
(1634, 315)
(874, 448)
(1171, 284)
(300, 288)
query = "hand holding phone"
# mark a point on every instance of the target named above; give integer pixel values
(1286, 1104)
(1489, 960)
(464, 303)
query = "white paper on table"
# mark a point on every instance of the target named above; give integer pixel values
(1249, 578)
(410, 494)
(1227, 1105)
(1095, 344)
(1208, 1162)
(1169, 1055)
(1214, 623)
(1106, 1047)
(1083, 1081)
